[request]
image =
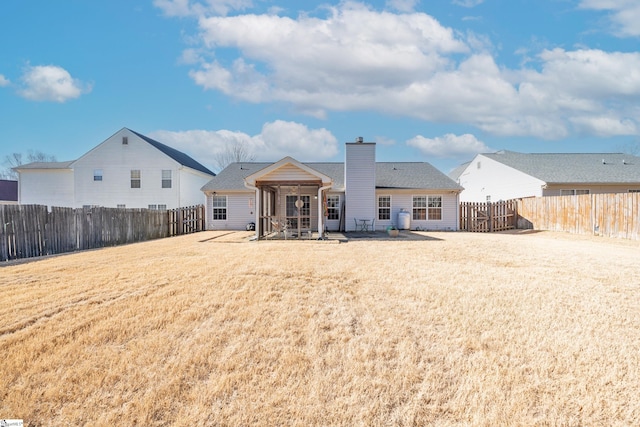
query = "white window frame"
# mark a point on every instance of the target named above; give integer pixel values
(385, 208)
(97, 175)
(417, 209)
(219, 205)
(333, 207)
(166, 178)
(574, 192)
(434, 204)
(136, 178)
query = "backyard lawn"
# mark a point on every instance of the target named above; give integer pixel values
(210, 329)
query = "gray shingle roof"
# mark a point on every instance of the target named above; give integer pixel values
(587, 168)
(388, 175)
(176, 155)
(45, 165)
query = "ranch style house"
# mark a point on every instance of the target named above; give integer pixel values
(359, 194)
(127, 170)
(508, 175)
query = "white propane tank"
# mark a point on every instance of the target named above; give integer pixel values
(404, 220)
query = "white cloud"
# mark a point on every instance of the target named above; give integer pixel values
(449, 145)
(408, 64)
(50, 83)
(625, 15)
(277, 139)
(4, 81)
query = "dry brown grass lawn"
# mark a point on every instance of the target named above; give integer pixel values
(462, 329)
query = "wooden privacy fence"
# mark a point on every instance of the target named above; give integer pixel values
(610, 215)
(34, 230)
(186, 220)
(488, 217)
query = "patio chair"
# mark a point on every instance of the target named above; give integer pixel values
(280, 227)
(373, 225)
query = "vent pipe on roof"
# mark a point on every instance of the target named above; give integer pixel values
(359, 139)
(603, 162)
(624, 162)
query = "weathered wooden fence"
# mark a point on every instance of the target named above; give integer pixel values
(186, 220)
(34, 230)
(488, 217)
(610, 215)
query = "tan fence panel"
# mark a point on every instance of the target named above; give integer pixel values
(611, 215)
(488, 217)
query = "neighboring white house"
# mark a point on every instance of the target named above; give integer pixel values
(508, 175)
(332, 196)
(128, 170)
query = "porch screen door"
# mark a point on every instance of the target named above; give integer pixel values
(302, 214)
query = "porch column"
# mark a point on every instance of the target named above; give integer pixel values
(258, 209)
(321, 210)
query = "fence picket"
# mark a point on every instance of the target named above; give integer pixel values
(33, 230)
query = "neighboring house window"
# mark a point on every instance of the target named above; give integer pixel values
(125, 140)
(166, 179)
(219, 207)
(153, 207)
(97, 174)
(434, 213)
(479, 165)
(419, 207)
(634, 191)
(162, 207)
(573, 192)
(333, 207)
(135, 178)
(384, 208)
(121, 206)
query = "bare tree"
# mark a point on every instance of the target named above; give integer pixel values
(17, 159)
(235, 152)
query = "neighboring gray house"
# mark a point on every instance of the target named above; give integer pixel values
(332, 196)
(508, 175)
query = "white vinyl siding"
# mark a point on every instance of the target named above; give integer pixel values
(496, 181)
(360, 180)
(240, 211)
(403, 199)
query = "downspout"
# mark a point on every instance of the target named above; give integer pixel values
(257, 207)
(321, 210)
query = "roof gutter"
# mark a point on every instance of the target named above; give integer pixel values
(258, 207)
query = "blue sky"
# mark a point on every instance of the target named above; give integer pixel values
(435, 81)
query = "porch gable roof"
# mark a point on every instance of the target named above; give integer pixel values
(268, 173)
